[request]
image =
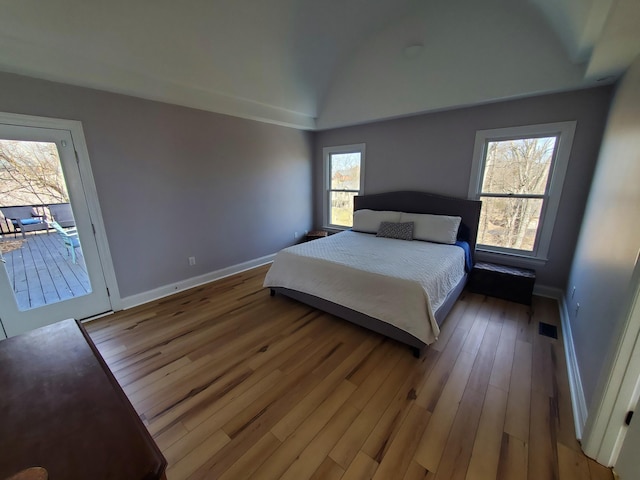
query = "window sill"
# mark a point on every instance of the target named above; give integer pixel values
(514, 259)
(334, 229)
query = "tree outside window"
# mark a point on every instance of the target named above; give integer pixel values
(518, 174)
(343, 181)
(514, 186)
(30, 174)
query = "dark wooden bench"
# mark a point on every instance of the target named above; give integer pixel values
(502, 281)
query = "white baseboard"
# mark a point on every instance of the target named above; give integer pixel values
(578, 400)
(166, 290)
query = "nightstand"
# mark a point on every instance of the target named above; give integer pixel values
(316, 234)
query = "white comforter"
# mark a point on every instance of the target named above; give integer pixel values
(399, 282)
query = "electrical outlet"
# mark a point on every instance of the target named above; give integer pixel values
(295, 235)
(192, 261)
(573, 291)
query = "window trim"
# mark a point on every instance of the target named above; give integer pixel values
(326, 155)
(565, 132)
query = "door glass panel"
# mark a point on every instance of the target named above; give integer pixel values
(39, 243)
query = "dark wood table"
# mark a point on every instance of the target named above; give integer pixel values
(315, 234)
(62, 409)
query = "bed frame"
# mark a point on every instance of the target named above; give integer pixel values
(409, 202)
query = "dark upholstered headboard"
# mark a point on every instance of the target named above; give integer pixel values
(420, 202)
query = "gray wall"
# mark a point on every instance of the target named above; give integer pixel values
(609, 240)
(433, 152)
(175, 182)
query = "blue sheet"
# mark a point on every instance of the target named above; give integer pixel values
(468, 262)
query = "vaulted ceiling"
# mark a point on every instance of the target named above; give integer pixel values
(316, 64)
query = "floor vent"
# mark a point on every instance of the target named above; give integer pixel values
(548, 330)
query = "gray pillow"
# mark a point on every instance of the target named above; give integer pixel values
(401, 231)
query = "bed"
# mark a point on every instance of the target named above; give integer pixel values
(382, 284)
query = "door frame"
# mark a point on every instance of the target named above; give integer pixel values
(3, 335)
(74, 127)
(605, 429)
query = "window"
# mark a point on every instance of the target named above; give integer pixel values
(343, 180)
(518, 174)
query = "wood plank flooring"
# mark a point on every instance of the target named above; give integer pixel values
(234, 384)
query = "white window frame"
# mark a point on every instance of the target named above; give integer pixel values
(326, 155)
(551, 199)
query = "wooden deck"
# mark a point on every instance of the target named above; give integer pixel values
(41, 271)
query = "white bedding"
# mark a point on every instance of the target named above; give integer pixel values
(399, 282)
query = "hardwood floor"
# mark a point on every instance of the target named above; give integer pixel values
(235, 384)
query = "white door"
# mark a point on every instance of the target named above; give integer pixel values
(46, 275)
(628, 465)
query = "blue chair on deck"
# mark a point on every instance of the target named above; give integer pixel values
(70, 239)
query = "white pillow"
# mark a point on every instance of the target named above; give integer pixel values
(433, 228)
(368, 221)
